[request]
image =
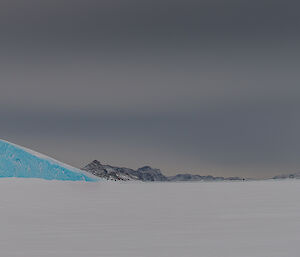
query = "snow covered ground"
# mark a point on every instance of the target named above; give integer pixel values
(223, 219)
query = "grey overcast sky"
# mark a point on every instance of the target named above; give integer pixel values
(207, 87)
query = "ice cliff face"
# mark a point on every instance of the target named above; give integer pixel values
(17, 161)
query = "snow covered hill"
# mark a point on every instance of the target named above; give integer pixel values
(18, 161)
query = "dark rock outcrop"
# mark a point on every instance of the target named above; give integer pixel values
(191, 177)
(120, 173)
(147, 173)
(109, 172)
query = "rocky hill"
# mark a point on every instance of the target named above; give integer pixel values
(145, 173)
(108, 172)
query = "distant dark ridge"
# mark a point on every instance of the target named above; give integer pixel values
(146, 174)
(288, 176)
(190, 177)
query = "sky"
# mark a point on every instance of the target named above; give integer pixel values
(202, 87)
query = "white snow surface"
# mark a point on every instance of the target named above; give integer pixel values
(40, 218)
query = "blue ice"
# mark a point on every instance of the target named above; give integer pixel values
(17, 161)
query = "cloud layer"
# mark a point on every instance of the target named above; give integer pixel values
(197, 86)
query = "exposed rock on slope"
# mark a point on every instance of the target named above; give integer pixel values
(147, 173)
(109, 172)
(120, 173)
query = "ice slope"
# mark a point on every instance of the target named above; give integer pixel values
(18, 161)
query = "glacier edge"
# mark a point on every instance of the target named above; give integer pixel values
(19, 161)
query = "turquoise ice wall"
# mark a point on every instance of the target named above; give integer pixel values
(16, 161)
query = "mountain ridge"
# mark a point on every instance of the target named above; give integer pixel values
(295, 175)
(146, 174)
